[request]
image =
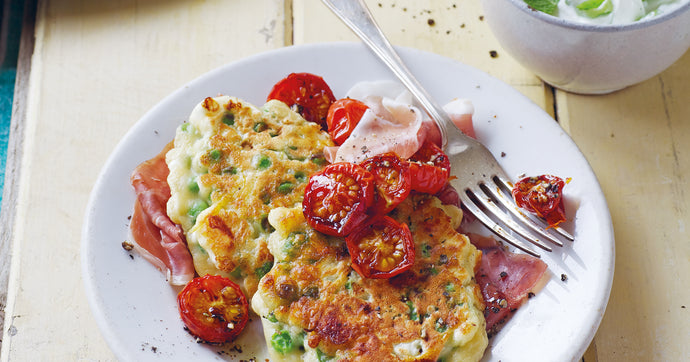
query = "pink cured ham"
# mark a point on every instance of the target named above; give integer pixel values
(460, 112)
(449, 196)
(394, 124)
(506, 280)
(157, 238)
(387, 126)
(150, 182)
(163, 251)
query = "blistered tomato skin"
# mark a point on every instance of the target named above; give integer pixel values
(429, 168)
(343, 117)
(213, 308)
(543, 196)
(306, 93)
(393, 181)
(337, 198)
(381, 249)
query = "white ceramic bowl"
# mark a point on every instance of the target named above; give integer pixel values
(590, 59)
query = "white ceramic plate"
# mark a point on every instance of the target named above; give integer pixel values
(136, 308)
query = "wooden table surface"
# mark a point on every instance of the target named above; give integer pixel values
(95, 67)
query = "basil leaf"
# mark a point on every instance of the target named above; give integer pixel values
(545, 6)
(595, 8)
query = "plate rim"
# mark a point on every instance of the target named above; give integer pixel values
(115, 342)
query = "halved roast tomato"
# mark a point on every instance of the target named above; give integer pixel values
(542, 195)
(430, 168)
(381, 249)
(213, 308)
(343, 116)
(337, 198)
(308, 93)
(392, 178)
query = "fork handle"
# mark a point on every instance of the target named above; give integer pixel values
(356, 15)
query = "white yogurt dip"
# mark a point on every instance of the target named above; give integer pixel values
(614, 12)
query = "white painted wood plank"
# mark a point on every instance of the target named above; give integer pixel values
(637, 143)
(14, 153)
(98, 66)
(455, 29)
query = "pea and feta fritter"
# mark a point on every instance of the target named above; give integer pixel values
(315, 307)
(237, 178)
(232, 163)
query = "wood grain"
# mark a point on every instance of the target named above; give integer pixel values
(637, 143)
(455, 29)
(97, 67)
(14, 154)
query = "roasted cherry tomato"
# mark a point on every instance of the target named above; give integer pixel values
(343, 116)
(306, 92)
(213, 308)
(392, 179)
(337, 198)
(542, 195)
(430, 169)
(381, 249)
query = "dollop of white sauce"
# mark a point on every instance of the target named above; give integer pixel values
(614, 12)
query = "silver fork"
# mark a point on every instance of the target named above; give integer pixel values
(481, 182)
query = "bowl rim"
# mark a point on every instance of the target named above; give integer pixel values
(603, 28)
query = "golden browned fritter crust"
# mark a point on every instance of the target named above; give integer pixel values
(232, 163)
(433, 310)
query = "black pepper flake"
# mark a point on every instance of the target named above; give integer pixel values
(481, 17)
(493, 53)
(503, 154)
(564, 277)
(431, 22)
(127, 245)
(530, 295)
(503, 274)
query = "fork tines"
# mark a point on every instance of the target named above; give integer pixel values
(494, 199)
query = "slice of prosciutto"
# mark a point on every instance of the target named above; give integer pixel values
(506, 280)
(156, 237)
(389, 125)
(393, 123)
